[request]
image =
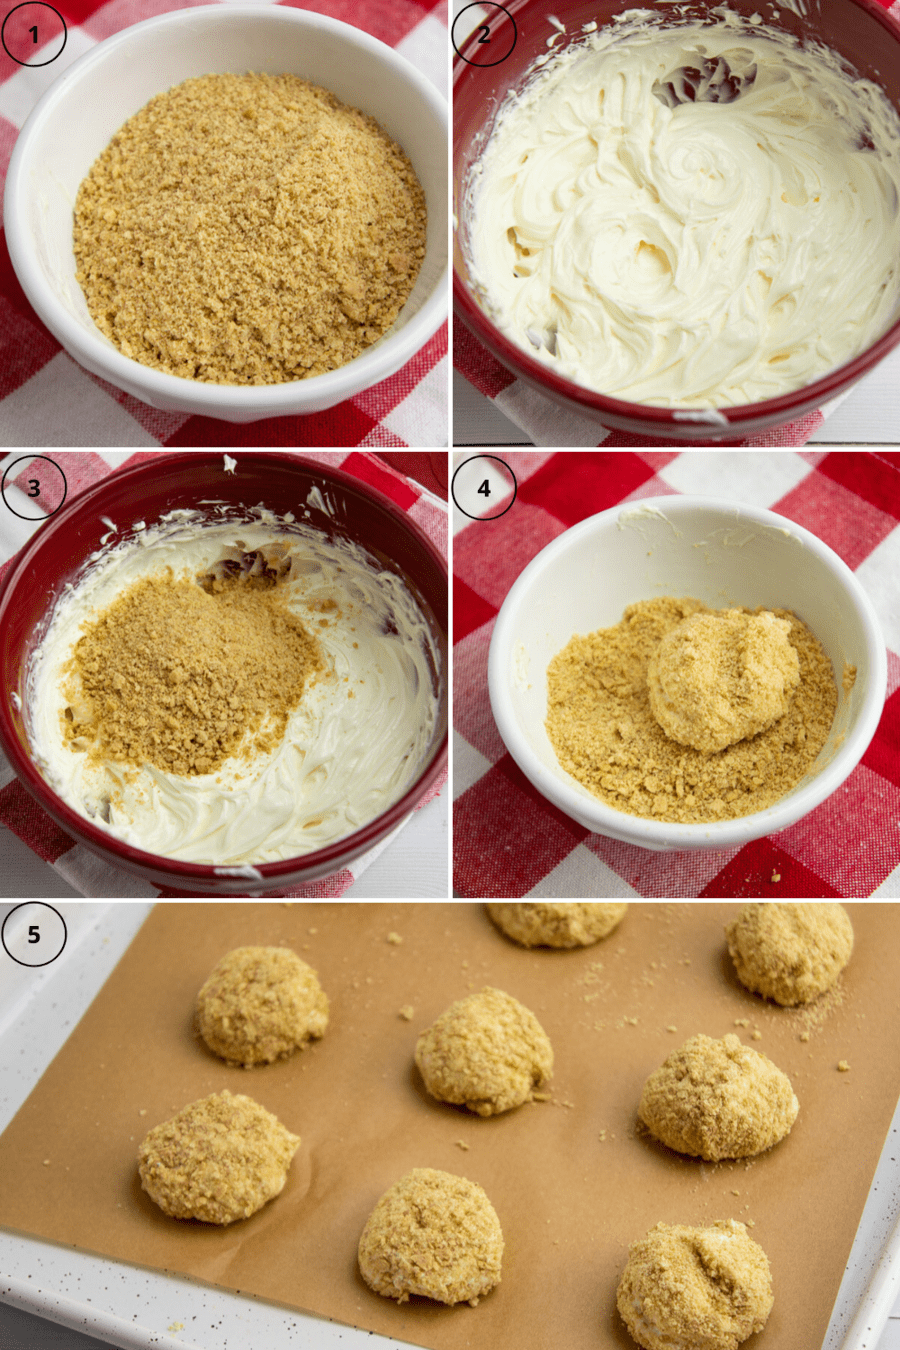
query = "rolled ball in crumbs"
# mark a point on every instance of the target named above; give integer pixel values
(261, 1004)
(220, 1159)
(792, 952)
(558, 923)
(705, 1288)
(718, 1099)
(432, 1234)
(487, 1052)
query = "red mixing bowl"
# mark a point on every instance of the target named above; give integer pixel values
(859, 30)
(281, 482)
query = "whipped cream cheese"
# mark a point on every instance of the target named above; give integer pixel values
(351, 749)
(689, 214)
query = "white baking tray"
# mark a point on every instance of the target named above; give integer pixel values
(137, 1309)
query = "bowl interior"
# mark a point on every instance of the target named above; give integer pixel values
(860, 30)
(73, 126)
(59, 550)
(585, 580)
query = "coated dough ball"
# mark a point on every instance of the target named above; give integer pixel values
(716, 679)
(433, 1234)
(557, 924)
(260, 1004)
(790, 953)
(703, 1288)
(219, 1160)
(486, 1052)
(718, 1099)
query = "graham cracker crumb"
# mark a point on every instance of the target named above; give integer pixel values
(407, 1012)
(248, 229)
(603, 729)
(394, 939)
(843, 1066)
(183, 675)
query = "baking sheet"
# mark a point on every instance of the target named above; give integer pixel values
(569, 1201)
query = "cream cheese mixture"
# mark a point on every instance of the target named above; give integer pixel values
(689, 215)
(352, 746)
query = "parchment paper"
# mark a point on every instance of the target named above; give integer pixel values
(573, 1180)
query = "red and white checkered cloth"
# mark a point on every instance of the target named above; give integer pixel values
(19, 812)
(46, 398)
(545, 422)
(510, 842)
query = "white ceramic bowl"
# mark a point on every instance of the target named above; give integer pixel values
(78, 116)
(716, 551)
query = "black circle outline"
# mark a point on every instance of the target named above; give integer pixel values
(499, 514)
(484, 65)
(34, 965)
(34, 65)
(19, 461)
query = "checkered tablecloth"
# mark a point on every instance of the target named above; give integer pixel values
(546, 423)
(46, 398)
(510, 842)
(20, 813)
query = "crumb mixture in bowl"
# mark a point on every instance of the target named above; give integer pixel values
(669, 717)
(182, 672)
(232, 692)
(248, 229)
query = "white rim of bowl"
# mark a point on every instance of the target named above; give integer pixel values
(372, 366)
(671, 835)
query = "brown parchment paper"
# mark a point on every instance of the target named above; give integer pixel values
(573, 1180)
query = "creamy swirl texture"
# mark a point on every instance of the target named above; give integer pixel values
(351, 748)
(690, 214)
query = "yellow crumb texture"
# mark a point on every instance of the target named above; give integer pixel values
(219, 1160)
(181, 672)
(248, 229)
(790, 952)
(705, 1288)
(486, 1052)
(260, 1004)
(604, 719)
(718, 1099)
(432, 1234)
(717, 678)
(557, 923)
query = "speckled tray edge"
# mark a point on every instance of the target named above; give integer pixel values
(137, 1309)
